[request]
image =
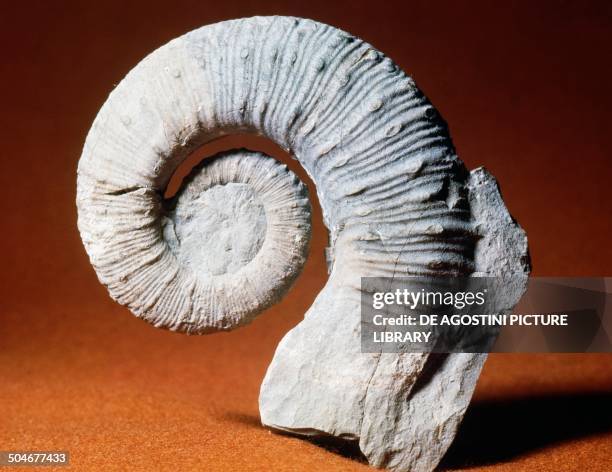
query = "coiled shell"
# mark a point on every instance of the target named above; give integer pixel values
(395, 198)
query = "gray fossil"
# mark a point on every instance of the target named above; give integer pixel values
(395, 197)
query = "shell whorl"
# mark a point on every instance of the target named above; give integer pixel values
(387, 177)
(240, 227)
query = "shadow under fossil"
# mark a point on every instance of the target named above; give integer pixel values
(496, 431)
(348, 449)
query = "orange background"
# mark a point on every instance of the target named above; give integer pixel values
(526, 91)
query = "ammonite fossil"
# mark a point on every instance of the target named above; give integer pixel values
(396, 200)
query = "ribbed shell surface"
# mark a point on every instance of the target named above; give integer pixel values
(385, 170)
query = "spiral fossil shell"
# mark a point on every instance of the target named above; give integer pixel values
(239, 216)
(240, 227)
(395, 197)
